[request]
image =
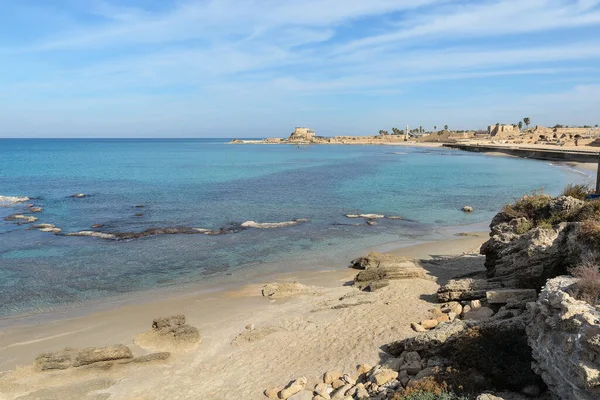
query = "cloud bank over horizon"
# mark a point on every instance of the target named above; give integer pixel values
(257, 68)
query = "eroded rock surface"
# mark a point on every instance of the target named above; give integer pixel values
(170, 334)
(564, 334)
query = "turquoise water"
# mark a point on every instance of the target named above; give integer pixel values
(210, 184)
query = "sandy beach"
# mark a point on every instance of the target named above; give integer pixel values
(337, 327)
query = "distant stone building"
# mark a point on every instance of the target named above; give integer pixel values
(302, 134)
(502, 129)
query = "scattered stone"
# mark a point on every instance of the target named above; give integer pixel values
(349, 380)
(453, 306)
(376, 285)
(416, 327)
(273, 393)
(293, 388)
(467, 209)
(250, 327)
(504, 296)
(331, 376)
(384, 376)
(323, 390)
(429, 323)
(97, 226)
(363, 369)
(412, 367)
(338, 383)
(287, 290)
(371, 223)
(475, 304)
(452, 316)
(426, 340)
(443, 318)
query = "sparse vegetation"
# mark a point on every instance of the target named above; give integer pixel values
(587, 287)
(534, 206)
(427, 389)
(580, 192)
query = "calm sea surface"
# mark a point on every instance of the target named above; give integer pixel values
(210, 184)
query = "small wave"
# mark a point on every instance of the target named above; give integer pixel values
(368, 216)
(6, 201)
(272, 225)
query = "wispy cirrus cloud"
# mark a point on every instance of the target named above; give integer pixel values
(232, 56)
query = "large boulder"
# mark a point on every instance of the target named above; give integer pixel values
(380, 267)
(564, 334)
(170, 334)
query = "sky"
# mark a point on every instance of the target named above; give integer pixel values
(259, 68)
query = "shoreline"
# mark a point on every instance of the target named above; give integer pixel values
(268, 272)
(309, 334)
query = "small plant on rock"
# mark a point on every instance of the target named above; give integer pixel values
(587, 287)
(580, 192)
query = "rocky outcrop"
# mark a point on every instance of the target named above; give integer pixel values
(379, 268)
(564, 334)
(170, 334)
(523, 255)
(103, 357)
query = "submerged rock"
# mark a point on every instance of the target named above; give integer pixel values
(21, 219)
(78, 195)
(98, 235)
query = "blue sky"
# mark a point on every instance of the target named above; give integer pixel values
(257, 68)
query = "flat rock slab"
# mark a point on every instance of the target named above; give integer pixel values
(478, 314)
(503, 296)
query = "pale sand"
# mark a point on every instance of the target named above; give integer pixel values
(309, 336)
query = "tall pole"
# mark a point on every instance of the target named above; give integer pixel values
(406, 134)
(598, 176)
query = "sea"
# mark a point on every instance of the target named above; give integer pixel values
(210, 186)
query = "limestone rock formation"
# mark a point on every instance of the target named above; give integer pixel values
(379, 269)
(92, 356)
(564, 334)
(170, 334)
(465, 289)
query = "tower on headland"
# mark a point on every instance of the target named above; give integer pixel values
(302, 134)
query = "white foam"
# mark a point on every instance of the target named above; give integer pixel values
(272, 225)
(10, 200)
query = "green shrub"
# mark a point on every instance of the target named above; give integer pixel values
(534, 206)
(580, 192)
(524, 226)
